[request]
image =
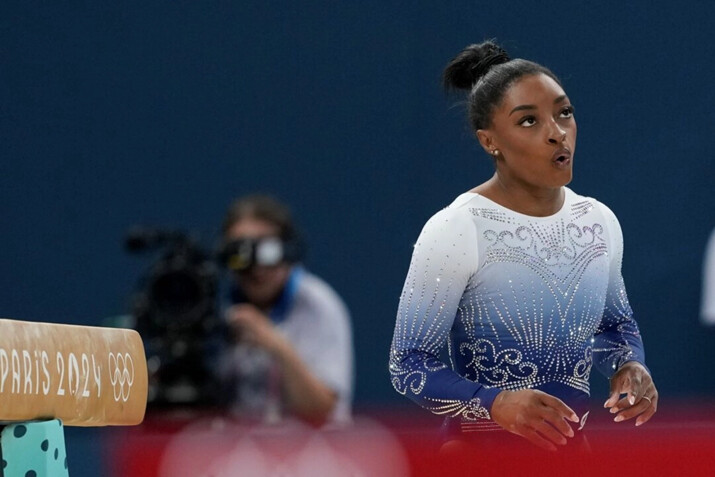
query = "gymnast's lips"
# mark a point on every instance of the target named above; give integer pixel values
(561, 157)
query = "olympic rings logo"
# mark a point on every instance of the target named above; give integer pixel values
(121, 375)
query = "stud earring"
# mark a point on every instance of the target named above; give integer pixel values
(495, 152)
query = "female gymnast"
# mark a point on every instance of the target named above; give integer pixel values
(520, 276)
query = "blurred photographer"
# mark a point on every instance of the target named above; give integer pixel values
(291, 352)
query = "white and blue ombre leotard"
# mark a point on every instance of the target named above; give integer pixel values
(521, 301)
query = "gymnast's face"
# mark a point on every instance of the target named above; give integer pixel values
(260, 284)
(534, 131)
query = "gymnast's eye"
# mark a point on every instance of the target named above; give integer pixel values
(567, 112)
(527, 121)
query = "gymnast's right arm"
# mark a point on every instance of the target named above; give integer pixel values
(443, 260)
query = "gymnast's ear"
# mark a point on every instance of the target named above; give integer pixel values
(486, 140)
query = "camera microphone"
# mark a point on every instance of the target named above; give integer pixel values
(141, 238)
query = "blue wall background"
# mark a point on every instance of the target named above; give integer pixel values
(116, 113)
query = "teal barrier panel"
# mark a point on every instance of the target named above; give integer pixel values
(34, 449)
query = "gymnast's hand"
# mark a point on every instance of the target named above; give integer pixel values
(534, 415)
(641, 396)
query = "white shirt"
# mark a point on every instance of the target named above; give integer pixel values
(317, 323)
(707, 311)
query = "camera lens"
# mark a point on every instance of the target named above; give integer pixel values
(177, 293)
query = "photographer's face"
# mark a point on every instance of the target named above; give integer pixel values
(261, 284)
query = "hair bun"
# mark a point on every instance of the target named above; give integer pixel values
(473, 63)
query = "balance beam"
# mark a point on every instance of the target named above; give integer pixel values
(82, 375)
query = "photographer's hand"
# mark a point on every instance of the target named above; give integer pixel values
(253, 326)
(308, 396)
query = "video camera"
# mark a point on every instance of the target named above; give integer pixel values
(176, 312)
(243, 254)
(176, 307)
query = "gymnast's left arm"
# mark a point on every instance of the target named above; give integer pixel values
(618, 348)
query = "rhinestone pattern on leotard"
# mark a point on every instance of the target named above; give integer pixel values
(520, 301)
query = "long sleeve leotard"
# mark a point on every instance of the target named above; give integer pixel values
(520, 302)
